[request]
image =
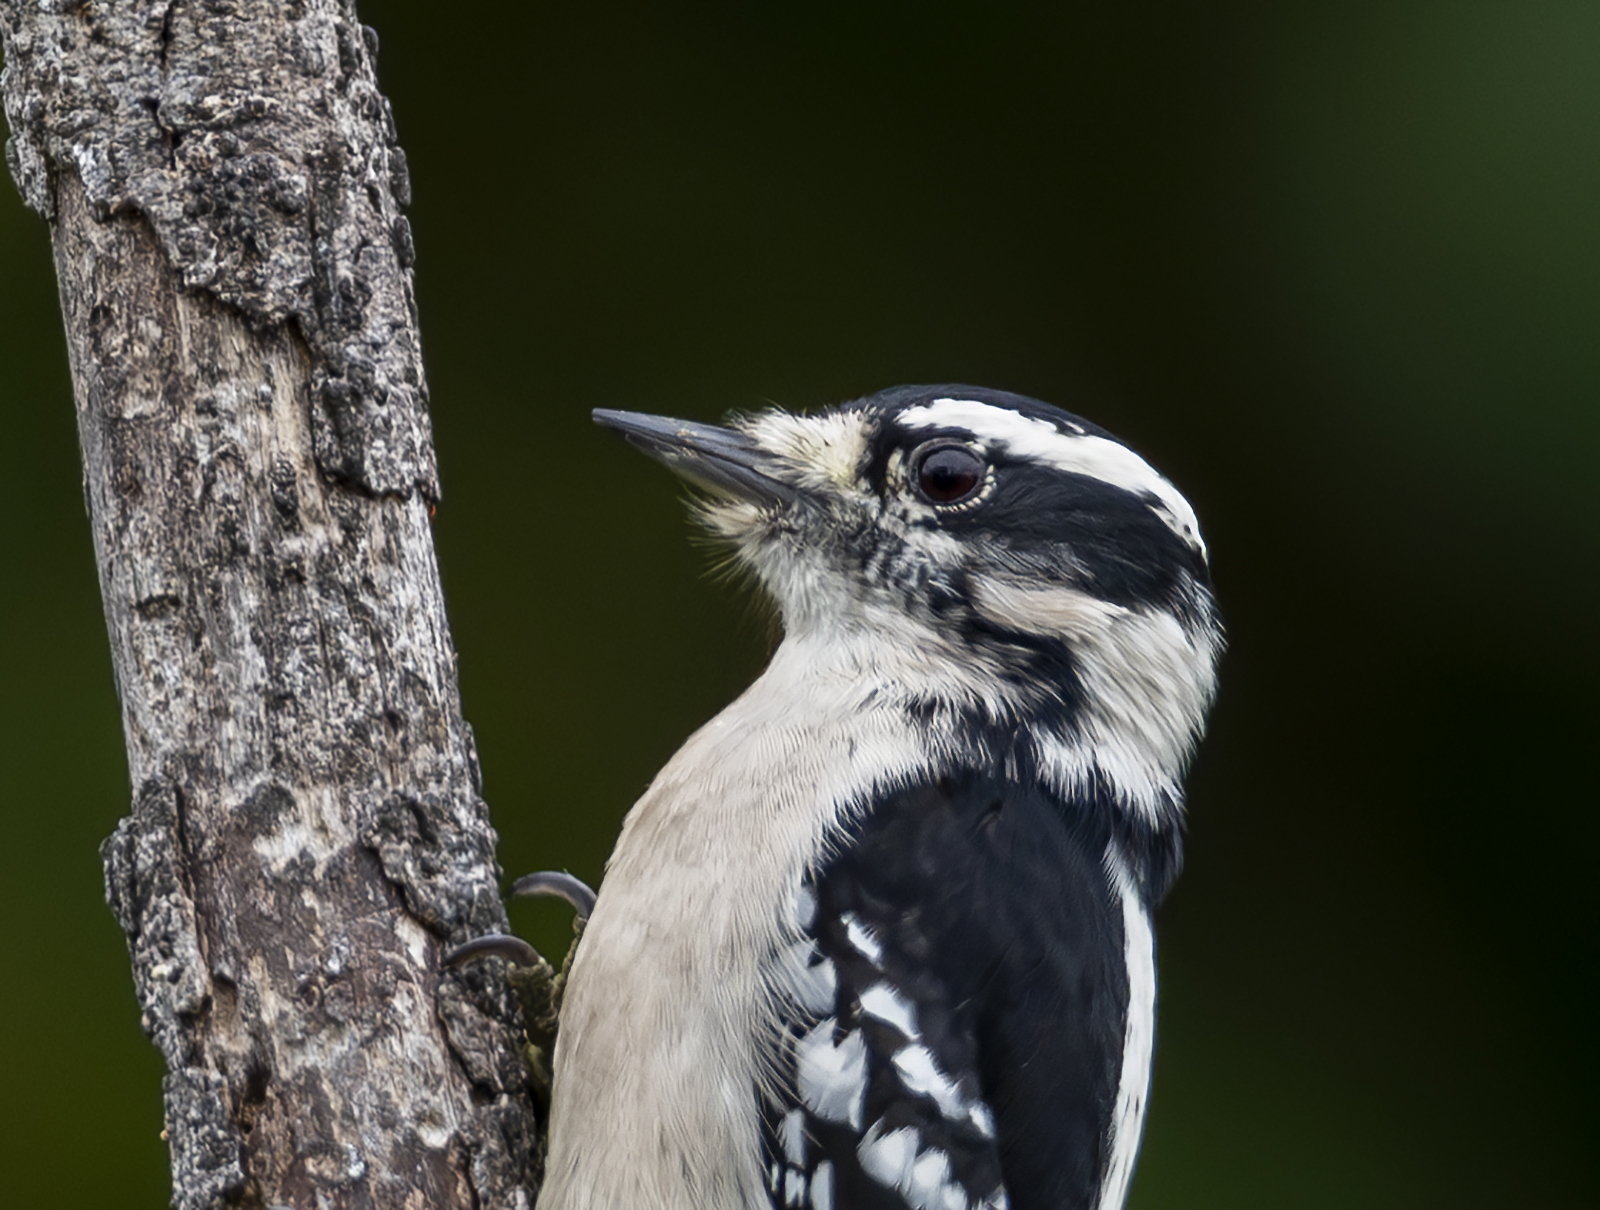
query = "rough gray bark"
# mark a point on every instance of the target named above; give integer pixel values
(224, 189)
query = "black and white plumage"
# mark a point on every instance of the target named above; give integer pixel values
(878, 935)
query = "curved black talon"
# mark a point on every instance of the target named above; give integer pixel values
(560, 885)
(503, 945)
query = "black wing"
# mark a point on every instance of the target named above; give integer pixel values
(960, 1005)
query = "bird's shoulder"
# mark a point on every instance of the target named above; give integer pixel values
(955, 1007)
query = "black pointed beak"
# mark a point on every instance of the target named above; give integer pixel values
(722, 461)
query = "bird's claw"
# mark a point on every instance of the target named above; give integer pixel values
(513, 949)
(552, 883)
(538, 986)
(560, 885)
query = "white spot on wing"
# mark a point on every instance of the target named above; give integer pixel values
(930, 1177)
(883, 1003)
(1138, 1039)
(804, 906)
(1041, 441)
(861, 939)
(887, 1158)
(832, 1079)
(920, 1074)
(924, 1180)
(983, 1120)
(813, 981)
(822, 1187)
(793, 1130)
(794, 1187)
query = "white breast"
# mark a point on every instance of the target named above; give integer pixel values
(663, 1027)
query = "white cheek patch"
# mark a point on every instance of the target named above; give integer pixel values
(1148, 682)
(1048, 608)
(1074, 451)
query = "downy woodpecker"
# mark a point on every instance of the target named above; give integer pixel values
(878, 935)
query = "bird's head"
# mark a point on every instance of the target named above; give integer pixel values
(1016, 564)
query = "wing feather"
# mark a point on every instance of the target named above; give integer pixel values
(954, 1028)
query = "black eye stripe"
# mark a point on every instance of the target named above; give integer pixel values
(947, 473)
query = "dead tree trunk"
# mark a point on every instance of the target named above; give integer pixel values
(223, 189)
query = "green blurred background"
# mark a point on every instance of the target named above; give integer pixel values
(1335, 268)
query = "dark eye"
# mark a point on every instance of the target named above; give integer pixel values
(947, 474)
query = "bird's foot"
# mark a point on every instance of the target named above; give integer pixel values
(538, 985)
(548, 884)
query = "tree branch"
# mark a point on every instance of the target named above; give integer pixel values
(224, 192)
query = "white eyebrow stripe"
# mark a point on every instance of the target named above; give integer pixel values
(1077, 453)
